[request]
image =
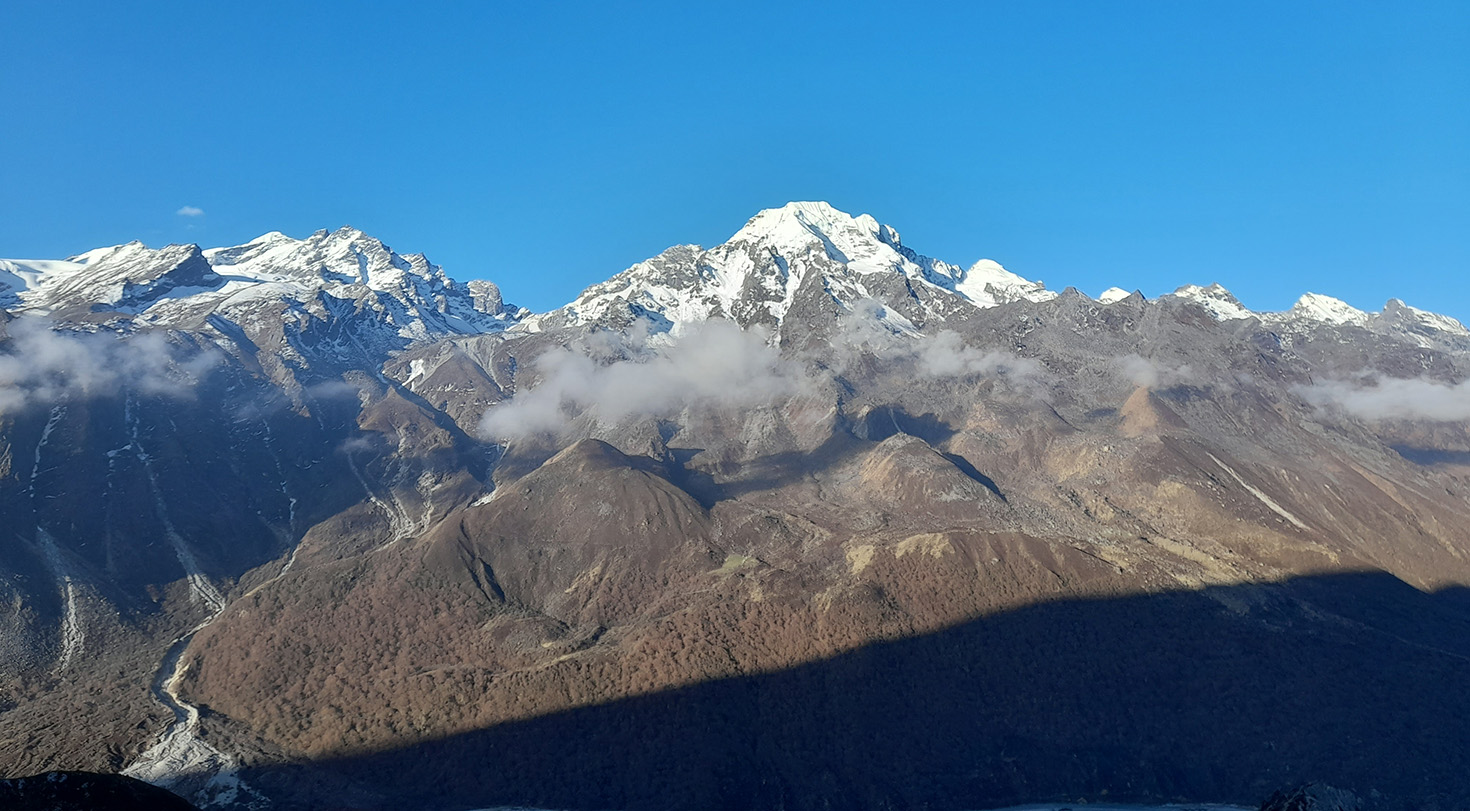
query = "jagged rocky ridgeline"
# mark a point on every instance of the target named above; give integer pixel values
(790, 257)
(806, 519)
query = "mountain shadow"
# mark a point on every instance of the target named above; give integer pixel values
(1224, 694)
(1432, 456)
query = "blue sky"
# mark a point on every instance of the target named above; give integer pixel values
(1272, 147)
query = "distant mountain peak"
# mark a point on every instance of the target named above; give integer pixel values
(1315, 310)
(269, 237)
(1397, 310)
(800, 227)
(808, 256)
(1215, 299)
(336, 294)
(1318, 307)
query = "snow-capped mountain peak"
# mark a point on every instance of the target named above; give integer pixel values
(1314, 311)
(121, 279)
(410, 295)
(801, 226)
(1317, 307)
(988, 284)
(1215, 299)
(1413, 317)
(96, 255)
(801, 252)
(807, 260)
(339, 293)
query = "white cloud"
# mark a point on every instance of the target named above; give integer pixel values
(870, 329)
(1374, 397)
(1147, 373)
(356, 444)
(39, 365)
(714, 363)
(947, 355)
(612, 377)
(190, 211)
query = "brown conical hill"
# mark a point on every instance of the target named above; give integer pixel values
(1145, 415)
(905, 475)
(593, 535)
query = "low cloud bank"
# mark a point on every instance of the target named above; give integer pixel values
(41, 366)
(1378, 398)
(869, 329)
(947, 355)
(1151, 374)
(613, 377)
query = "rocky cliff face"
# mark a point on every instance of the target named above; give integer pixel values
(311, 516)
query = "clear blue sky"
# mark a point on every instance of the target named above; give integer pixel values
(1273, 147)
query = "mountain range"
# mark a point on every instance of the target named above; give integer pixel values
(803, 520)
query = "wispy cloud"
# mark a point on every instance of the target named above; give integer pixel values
(614, 378)
(712, 364)
(1148, 373)
(867, 331)
(1372, 397)
(39, 365)
(190, 211)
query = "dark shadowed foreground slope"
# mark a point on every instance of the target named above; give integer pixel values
(83, 791)
(1226, 694)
